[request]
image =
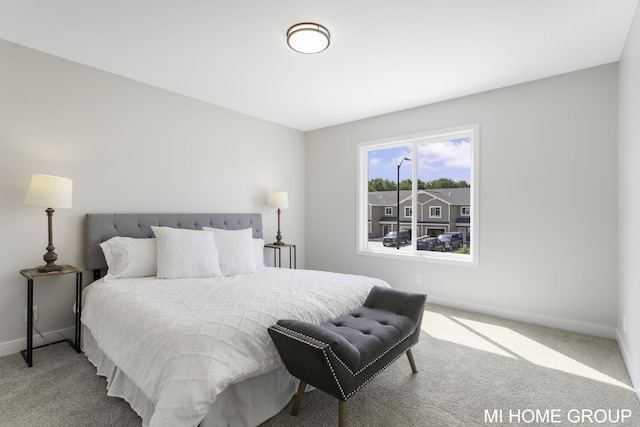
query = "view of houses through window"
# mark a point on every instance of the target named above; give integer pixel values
(428, 180)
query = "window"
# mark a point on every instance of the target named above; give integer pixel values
(433, 177)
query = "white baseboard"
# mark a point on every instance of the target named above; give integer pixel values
(12, 347)
(552, 322)
(635, 381)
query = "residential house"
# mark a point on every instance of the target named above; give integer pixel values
(438, 211)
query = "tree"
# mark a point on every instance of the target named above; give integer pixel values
(442, 183)
(379, 184)
(405, 184)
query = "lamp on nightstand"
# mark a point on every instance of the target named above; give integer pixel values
(50, 192)
(279, 200)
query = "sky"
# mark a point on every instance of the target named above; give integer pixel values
(448, 159)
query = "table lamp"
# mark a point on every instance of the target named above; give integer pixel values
(49, 192)
(279, 200)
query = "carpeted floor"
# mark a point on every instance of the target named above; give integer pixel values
(60, 390)
(475, 370)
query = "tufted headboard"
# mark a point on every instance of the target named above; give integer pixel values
(102, 227)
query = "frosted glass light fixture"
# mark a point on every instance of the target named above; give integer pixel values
(308, 37)
(50, 192)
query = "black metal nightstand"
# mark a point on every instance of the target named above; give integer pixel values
(33, 273)
(278, 252)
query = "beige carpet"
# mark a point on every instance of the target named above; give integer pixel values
(475, 370)
(60, 390)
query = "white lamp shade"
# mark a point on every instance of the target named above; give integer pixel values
(279, 199)
(308, 38)
(49, 192)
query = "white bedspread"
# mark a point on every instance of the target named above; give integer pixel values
(182, 342)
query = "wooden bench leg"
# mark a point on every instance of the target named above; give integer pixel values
(296, 404)
(412, 362)
(342, 413)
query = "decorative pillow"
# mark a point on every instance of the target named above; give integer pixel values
(186, 254)
(236, 251)
(258, 246)
(129, 257)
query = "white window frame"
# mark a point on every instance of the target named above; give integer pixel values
(410, 209)
(431, 215)
(363, 148)
(465, 210)
(388, 211)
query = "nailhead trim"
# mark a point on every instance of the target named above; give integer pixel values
(324, 347)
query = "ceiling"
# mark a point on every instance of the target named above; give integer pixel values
(384, 56)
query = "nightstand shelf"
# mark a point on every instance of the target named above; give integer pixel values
(31, 274)
(277, 254)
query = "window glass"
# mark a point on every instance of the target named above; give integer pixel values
(408, 212)
(423, 184)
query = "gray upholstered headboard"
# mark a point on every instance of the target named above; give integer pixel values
(102, 227)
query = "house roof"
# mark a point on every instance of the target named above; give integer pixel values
(451, 196)
(387, 198)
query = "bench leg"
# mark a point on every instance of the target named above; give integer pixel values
(296, 404)
(342, 413)
(412, 362)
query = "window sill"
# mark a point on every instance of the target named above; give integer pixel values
(407, 254)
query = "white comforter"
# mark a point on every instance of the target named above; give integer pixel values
(182, 342)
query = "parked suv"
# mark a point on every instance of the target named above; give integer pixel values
(452, 240)
(430, 244)
(390, 239)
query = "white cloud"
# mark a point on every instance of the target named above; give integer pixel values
(445, 155)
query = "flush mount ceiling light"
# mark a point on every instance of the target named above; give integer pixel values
(308, 38)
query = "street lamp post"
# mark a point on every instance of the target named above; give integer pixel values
(398, 204)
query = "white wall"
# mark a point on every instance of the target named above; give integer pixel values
(128, 147)
(548, 200)
(629, 202)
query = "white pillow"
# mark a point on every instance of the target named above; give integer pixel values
(236, 251)
(129, 257)
(185, 254)
(258, 246)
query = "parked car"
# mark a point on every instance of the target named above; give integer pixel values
(390, 239)
(452, 240)
(430, 244)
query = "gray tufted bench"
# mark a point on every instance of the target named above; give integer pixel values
(339, 357)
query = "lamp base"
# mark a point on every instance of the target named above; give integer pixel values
(49, 268)
(50, 257)
(278, 241)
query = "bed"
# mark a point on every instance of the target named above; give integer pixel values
(184, 340)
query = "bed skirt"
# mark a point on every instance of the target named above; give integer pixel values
(246, 404)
